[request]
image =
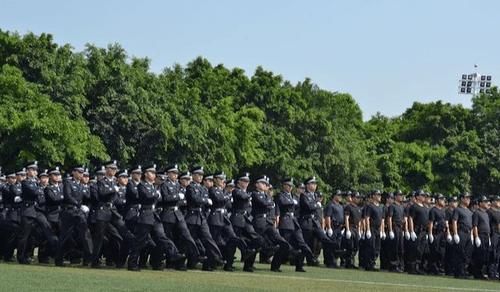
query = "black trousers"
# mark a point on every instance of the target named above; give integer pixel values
(494, 256)
(372, 248)
(296, 240)
(179, 233)
(142, 232)
(462, 254)
(437, 252)
(396, 248)
(201, 233)
(479, 261)
(110, 228)
(253, 240)
(318, 234)
(71, 223)
(270, 233)
(227, 240)
(28, 224)
(351, 247)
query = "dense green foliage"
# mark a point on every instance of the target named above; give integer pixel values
(62, 106)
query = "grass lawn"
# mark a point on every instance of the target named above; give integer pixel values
(14, 277)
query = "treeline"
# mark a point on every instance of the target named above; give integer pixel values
(67, 107)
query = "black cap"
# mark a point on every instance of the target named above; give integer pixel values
(185, 175)
(287, 181)
(44, 173)
(376, 192)
(398, 193)
(355, 195)
(244, 176)
(172, 168)
(32, 164)
(11, 175)
(136, 169)
(111, 164)
(80, 168)
(439, 197)
(464, 195)
(230, 183)
(123, 173)
(150, 168)
(311, 179)
(262, 179)
(483, 199)
(100, 170)
(301, 186)
(208, 177)
(452, 199)
(86, 172)
(495, 198)
(21, 171)
(197, 170)
(220, 175)
(55, 171)
(420, 193)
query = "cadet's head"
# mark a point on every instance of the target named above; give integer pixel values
(465, 199)
(262, 183)
(136, 173)
(111, 168)
(172, 172)
(495, 201)
(185, 179)
(398, 196)
(229, 185)
(55, 175)
(287, 185)
(356, 197)
(337, 196)
(376, 196)
(244, 180)
(32, 169)
(208, 181)
(301, 188)
(484, 202)
(150, 173)
(311, 184)
(78, 172)
(220, 179)
(123, 178)
(44, 178)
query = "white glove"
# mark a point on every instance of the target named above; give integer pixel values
(431, 238)
(209, 201)
(329, 232)
(368, 234)
(361, 235)
(318, 204)
(471, 238)
(456, 238)
(407, 235)
(84, 209)
(477, 241)
(413, 236)
(382, 235)
(181, 196)
(391, 234)
(489, 241)
(117, 189)
(342, 232)
(348, 234)
(449, 238)
(17, 199)
(295, 202)
(426, 237)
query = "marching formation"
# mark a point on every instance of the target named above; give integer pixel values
(181, 220)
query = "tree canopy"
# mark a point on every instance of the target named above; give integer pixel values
(65, 107)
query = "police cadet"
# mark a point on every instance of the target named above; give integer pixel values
(172, 218)
(289, 226)
(374, 229)
(132, 197)
(184, 181)
(352, 222)
(198, 202)
(108, 221)
(418, 221)
(30, 216)
(334, 224)
(12, 200)
(53, 196)
(481, 232)
(263, 208)
(219, 223)
(74, 216)
(461, 229)
(242, 221)
(450, 245)
(395, 226)
(494, 257)
(309, 220)
(437, 231)
(148, 222)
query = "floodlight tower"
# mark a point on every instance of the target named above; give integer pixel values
(474, 83)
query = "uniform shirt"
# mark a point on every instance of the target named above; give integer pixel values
(354, 213)
(481, 220)
(438, 217)
(375, 213)
(336, 213)
(397, 213)
(420, 216)
(494, 215)
(463, 216)
(170, 193)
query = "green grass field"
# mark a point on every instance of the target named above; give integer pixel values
(14, 277)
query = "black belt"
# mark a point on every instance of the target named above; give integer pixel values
(148, 207)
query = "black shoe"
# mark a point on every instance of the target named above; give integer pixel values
(207, 269)
(59, 264)
(228, 268)
(248, 269)
(157, 268)
(134, 268)
(246, 254)
(219, 261)
(177, 258)
(181, 268)
(97, 265)
(300, 270)
(44, 261)
(277, 270)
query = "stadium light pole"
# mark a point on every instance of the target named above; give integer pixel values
(474, 83)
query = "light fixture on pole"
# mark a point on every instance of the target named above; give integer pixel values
(474, 83)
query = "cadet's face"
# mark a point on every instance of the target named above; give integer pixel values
(260, 187)
(197, 178)
(496, 204)
(208, 183)
(311, 187)
(185, 182)
(287, 188)
(85, 179)
(77, 175)
(123, 180)
(21, 177)
(110, 171)
(55, 178)
(173, 176)
(136, 176)
(32, 172)
(243, 184)
(44, 180)
(11, 180)
(219, 182)
(150, 176)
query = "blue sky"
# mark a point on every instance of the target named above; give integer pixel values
(386, 53)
